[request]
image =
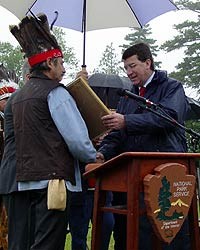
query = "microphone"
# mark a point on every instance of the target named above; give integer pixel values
(126, 92)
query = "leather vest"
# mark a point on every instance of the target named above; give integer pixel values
(41, 151)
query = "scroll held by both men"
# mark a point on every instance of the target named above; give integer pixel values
(90, 106)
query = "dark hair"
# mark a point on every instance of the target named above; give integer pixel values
(43, 66)
(25, 69)
(142, 51)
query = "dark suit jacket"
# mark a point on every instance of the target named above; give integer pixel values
(8, 182)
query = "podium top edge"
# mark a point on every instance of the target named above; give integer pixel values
(143, 156)
(160, 154)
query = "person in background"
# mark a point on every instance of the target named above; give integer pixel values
(8, 85)
(17, 219)
(138, 130)
(50, 134)
(80, 207)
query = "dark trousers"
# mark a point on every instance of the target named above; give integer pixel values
(17, 207)
(180, 242)
(80, 214)
(40, 228)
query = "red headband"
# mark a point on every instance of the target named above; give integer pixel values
(6, 89)
(38, 58)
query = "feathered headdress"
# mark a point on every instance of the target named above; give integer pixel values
(36, 40)
(8, 82)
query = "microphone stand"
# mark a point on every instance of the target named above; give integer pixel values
(152, 107)
(195, 137)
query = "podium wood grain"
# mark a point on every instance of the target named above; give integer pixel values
(125, 173)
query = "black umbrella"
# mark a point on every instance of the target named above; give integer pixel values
(194, 113)
(106, 87)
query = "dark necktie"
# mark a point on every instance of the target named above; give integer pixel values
(142, 91)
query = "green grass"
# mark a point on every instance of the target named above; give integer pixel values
(68, 241)
(111, 246)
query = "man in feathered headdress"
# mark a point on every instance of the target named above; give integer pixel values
(51, 136)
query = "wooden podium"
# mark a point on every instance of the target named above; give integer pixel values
(125, 173)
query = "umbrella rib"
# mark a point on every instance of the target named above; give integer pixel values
(29, 9)
(134, 13)
(174, 4)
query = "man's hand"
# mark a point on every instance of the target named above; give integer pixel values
(113, 121)
(97, 141)
(83, 73)
(100, 158)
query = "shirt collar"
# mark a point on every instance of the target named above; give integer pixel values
(149, 80)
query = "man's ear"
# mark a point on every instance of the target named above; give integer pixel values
(27, 76)
(49, 62)
(148, 63)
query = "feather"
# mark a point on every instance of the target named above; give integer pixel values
(34, 36)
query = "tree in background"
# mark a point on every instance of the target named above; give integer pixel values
(188, 71)
(192, 142)
(139, 35)
(188, 38)
(71, 62)
(12, 57)
(109, 64)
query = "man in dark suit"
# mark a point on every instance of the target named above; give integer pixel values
(7, 86)
(138, 130)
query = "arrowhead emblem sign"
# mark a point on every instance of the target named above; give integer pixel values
(168, 196)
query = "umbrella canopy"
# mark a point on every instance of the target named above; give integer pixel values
(109, 81)
(85, 15)
(106, 87)
(194, 113)
(100, 14)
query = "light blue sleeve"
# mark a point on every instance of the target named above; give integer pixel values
(71, 125)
